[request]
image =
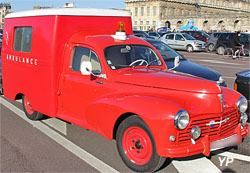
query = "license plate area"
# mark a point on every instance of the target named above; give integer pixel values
(225, 142)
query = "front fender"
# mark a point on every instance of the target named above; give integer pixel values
(157, 113)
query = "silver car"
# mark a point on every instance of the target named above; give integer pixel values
(182, 41)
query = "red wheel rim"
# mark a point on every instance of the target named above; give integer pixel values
(137, 145)
(28, 106)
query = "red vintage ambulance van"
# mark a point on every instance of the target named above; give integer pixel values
(85, 67)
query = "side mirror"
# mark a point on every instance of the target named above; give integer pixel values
(177, 61)
(86, 68)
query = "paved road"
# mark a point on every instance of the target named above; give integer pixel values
(52, 145)
(227, 68)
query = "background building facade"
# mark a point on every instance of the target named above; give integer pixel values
(220, 15)
(5, 8)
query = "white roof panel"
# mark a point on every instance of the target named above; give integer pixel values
(70, 12)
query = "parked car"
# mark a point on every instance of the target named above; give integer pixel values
(242, 85)
(198, 35)
(223, 41)
(183, 41)
(142, 34)
(212, 40)
(186, 66)
(156, 35)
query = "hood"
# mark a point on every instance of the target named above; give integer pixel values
(195, 69)
(245, 73)
(165, 79)
(199, 41)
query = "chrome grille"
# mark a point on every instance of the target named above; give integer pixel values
(217, 130)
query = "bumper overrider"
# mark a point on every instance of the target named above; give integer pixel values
(206, 145)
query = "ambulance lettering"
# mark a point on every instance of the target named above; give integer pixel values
(19, 59)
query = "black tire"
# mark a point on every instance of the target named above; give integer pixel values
(190, 48)
(210, 47)
(124, 136)
(220, 50)
(244, 55)
(228, 53)
(32, 115)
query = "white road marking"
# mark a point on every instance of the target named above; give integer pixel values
(229, 77)
(221, 66)
(76, 150)
(217, 62)
(201, 165)
(233, 155)
(54, 123)
(59, 125)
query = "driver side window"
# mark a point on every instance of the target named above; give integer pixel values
(179, 37)
(85, 54)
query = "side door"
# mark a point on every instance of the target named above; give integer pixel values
(180, 42)
(78, 92)
(169, 40)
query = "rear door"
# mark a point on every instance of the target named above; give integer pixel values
(169, 40)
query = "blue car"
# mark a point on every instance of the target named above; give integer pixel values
(186, 66)
(242, 85)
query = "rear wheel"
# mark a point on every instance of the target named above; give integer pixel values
(244, 55)
(220, 50)
(29, 111)
(228, 53)
(136, 146)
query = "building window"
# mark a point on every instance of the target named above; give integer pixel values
(135, 22)
(154, 23)
(154, 10)
(148, 11)
(136, 11)
(165, 12)
(141, 22)
(22, 39)
(182, 12)
(147, 22)
(142, 11)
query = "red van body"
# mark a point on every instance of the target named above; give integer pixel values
(131, 99)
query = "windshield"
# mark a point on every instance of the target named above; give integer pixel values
(166, 52)
(188, 37)
(122, 56)
(204, 34)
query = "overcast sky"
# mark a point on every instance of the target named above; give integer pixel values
(21, 5)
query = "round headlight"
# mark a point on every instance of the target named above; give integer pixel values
(221, 80)
(195, 132)
(181, 119)
(242, 104)
(243, 119)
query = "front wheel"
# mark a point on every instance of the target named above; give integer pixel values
(136, 145)
(244, 55)
(29, 111)
(190, 48)
(210, 47)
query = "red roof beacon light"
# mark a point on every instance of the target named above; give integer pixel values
(120, 32)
